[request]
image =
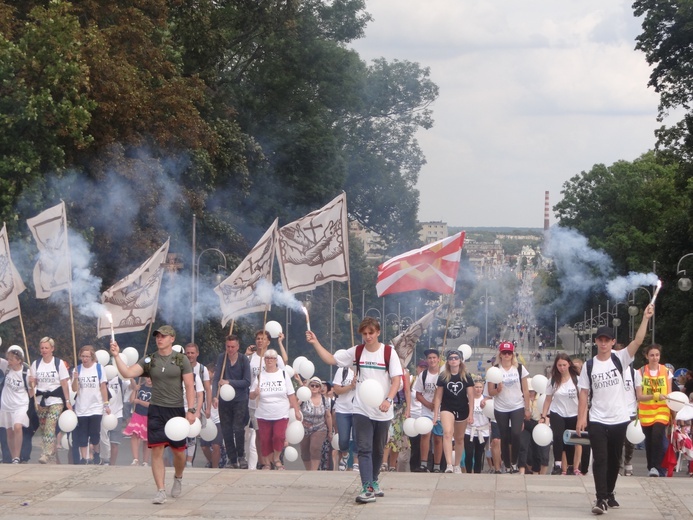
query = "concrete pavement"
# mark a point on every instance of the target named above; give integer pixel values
(124, 492)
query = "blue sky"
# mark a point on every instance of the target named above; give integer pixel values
(531, 93)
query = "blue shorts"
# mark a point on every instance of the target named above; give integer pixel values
(438, 429)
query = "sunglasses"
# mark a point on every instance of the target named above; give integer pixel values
(314, 386)
(506, 353)
(454, 358)
(267, 358)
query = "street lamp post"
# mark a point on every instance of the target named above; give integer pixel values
(684, 282)
(380, 316)
(196, 278)
(485, 302)
(634, 310)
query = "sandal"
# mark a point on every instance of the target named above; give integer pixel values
(278, 465)
(265, 466)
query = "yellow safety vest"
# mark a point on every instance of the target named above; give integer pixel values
(651, 412)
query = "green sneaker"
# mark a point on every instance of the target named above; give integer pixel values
(366, 495)
(375, 488)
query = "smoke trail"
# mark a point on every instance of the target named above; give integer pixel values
(276, 294)
(618, 288)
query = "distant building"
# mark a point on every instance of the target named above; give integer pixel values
(488, 259)
(369, 239)
(433, 231)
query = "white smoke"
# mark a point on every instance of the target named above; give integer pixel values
(618, 288)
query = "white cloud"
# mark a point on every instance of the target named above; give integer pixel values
(531, 93)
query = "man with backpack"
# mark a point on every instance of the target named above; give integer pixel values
(601, 384)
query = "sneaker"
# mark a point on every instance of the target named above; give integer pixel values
(43, 459)
(355, 467)
(135, 462)
(423, 469)
(366, 495)
(497, 472)
(556, 470)
(97, 459)
(611, 502)
(628, 471)
(600, 507)
(514, 469)
(570, 471)
(145, 464)
(375, 488)
(15, 460)
(457, 470)
(188, 464)
(343, 463)
(654, 472)
(242, 463)
(177, 487)
(160, 497)
(448, 469)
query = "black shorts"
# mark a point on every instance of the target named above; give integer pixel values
(460, 415)
(157, 418)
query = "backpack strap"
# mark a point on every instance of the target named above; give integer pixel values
(388, 355)
(424, 374)
(615, 360)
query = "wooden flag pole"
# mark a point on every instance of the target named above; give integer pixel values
(72, 324)
(149, 335)
(226, 356)
(21, 324)
(351, 313)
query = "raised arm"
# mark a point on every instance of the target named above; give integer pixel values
(634, 345)
(321, 351)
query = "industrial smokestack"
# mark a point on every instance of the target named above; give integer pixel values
(546, 211)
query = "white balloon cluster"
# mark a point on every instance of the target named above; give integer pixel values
(304, 367)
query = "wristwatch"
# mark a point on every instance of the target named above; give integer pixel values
(192, 410)
(389, 399)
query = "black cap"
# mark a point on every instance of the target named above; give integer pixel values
(605, 331)
(431, 351)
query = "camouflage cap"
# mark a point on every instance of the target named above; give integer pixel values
(166, 330)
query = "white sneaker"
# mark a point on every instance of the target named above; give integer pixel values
(458, 470)
(448, 469)
(654, 472)
(177, 487)
(160, 497)
(135, 462)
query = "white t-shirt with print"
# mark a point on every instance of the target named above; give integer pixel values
(344, 402)
(510, 397)
(275, 389)
(48, 379)
(609, 399)
(115, 403)
(14, 394)
(89, 399)
(564, 399)
(372, 367)
(429, 392)
(255, 362)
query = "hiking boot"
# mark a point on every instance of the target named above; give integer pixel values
(600, 507)
(611, 502)
(177, 487)
(160, 497)
(366, 495)
(343, 463)
(556, 470)
(242, 463)
(375, 488)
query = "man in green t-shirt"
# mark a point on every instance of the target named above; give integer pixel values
(167, 370)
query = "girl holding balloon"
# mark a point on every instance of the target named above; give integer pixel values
(454, 404)
(561, 410)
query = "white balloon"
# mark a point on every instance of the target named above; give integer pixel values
(306, 369)
(289, 370)
(409, 428)
(131, 355)
(227, 392)
(177, 428)
(67, 421)
(488, 409)
(542, 434)
(290, 453)
(110, 371)
(371, 393)
(65, 442)
(195, 428)
(539, 383)
(273, 328)
(103, 357)
(292, 415)
(466, 351)
(634, 432)
(209, 432)
(295, 432)
(297, 363)
(335, 441)
(343, 358)
(677, 400)
(109, 421)
(303, 394)
(178, 348)
(423, 425)
(494, 375)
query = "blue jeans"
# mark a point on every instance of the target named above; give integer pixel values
(371, 437)
(344, 426)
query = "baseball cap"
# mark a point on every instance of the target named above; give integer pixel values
(422, 363)
(17, 350)
(166, 330)
(506, 346)
(605, 331)
(431, 351)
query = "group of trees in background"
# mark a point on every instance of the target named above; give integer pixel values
(140, 114)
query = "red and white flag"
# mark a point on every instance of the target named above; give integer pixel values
(314, 250)
(11, 284)
(52, 272)
(133, 301)
(238, 293)
(433, 267)
(405, 343)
